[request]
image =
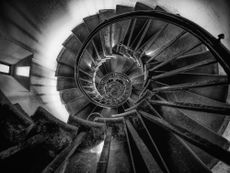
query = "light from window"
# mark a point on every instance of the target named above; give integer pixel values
(4, 68)
(98, 149)
(23, 71)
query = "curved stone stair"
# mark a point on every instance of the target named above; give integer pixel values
(179, 60)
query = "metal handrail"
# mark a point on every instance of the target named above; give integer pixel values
(219, 51)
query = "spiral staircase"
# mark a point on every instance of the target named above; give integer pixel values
(145, 90)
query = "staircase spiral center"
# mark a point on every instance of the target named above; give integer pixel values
(115, 88)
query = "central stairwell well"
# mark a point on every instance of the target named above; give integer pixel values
(146, 92)
(139, 71)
